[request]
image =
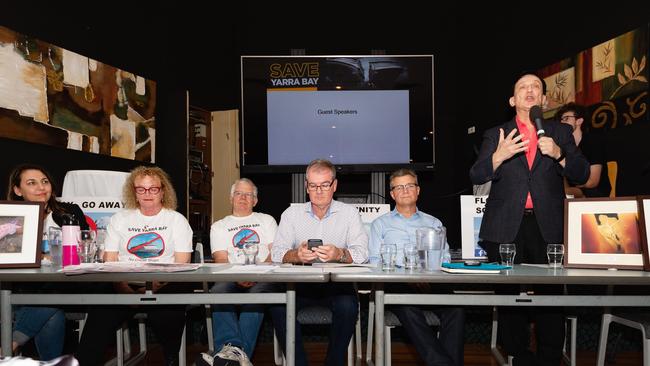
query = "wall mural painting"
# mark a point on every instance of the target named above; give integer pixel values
(560, 88)
(53, 96)
(616, 68)
(610, 80)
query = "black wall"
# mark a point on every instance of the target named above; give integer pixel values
(193, 46)
(101, 38)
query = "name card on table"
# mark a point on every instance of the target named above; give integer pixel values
(471, 214)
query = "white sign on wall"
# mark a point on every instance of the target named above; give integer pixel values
(471, 214)
(368, 211)
(100, 209)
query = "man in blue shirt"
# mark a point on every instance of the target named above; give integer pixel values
(398, 226)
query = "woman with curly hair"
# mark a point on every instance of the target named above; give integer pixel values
(147, 230)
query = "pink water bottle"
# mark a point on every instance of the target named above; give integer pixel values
(70, 240)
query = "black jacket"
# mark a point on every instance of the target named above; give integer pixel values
(512, 181)
(70, 208)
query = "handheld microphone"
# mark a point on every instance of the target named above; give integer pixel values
(537, 117)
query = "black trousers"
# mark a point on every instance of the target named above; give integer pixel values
(167, 322)
(342, 300)
(514, 325)
(446, 350)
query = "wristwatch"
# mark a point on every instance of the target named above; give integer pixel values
(344, 256)
(562, 156)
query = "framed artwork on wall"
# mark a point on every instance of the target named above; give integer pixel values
(602, 233)
(643, 203)
(21, 232)
(53, 96)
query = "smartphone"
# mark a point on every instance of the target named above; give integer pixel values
(472, 263)
(313, 243)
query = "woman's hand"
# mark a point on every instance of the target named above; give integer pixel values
(123, 288)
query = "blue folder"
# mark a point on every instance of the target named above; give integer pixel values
(483, 266)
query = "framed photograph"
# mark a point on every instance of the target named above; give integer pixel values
(643, 203)
(602, 233)
(21, 232)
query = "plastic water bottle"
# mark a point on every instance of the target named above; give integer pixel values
(70, 240)
(45, 244)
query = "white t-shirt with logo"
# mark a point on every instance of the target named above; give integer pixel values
(232, 232)
(140, 238)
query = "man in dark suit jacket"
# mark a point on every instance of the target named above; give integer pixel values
(526, 207)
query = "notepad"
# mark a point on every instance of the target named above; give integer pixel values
(484, 268)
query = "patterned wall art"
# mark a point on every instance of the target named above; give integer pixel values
(610, 80)
(616, 68)
(560, 88)
(53, 96)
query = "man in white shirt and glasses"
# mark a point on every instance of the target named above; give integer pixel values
(236, 327)
(344, 240)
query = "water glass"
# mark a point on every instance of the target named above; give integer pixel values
(54, 237)
(555, 254)
(250, 250)
(388, 254)
(507, 253)
(99, 252)
(411, 257)
(99, 245)
(87, 246)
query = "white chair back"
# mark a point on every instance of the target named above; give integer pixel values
(93, 183)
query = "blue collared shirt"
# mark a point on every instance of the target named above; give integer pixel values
(394, 228)
(341, 226)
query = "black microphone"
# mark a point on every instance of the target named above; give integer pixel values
(537, 117)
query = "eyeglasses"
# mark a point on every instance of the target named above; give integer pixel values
(323, 186)
(404, 187)
(247, 195)
(152, 190)
(566, 118)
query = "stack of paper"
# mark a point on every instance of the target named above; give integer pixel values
(112, 267)
(238, 268)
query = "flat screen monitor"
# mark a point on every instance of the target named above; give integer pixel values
(364, 113)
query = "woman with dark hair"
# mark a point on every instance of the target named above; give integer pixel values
(33, 183)
(46, 325)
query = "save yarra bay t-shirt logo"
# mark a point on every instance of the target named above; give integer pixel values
(146, 245)
(245, 236)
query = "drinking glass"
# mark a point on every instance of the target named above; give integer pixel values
(507, 252)
(99, 245)
(54, 237)
(87, 245)
(411, 257)
(555, 254)
(388, 254)
(250, 250)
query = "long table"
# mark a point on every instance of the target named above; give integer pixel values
(212, 273)
(524, 275)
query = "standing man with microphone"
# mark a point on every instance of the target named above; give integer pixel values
(526, 159)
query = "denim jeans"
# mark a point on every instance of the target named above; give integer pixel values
(45, 325)
(228, 328)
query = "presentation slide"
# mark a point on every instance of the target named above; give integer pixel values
(346, 127)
